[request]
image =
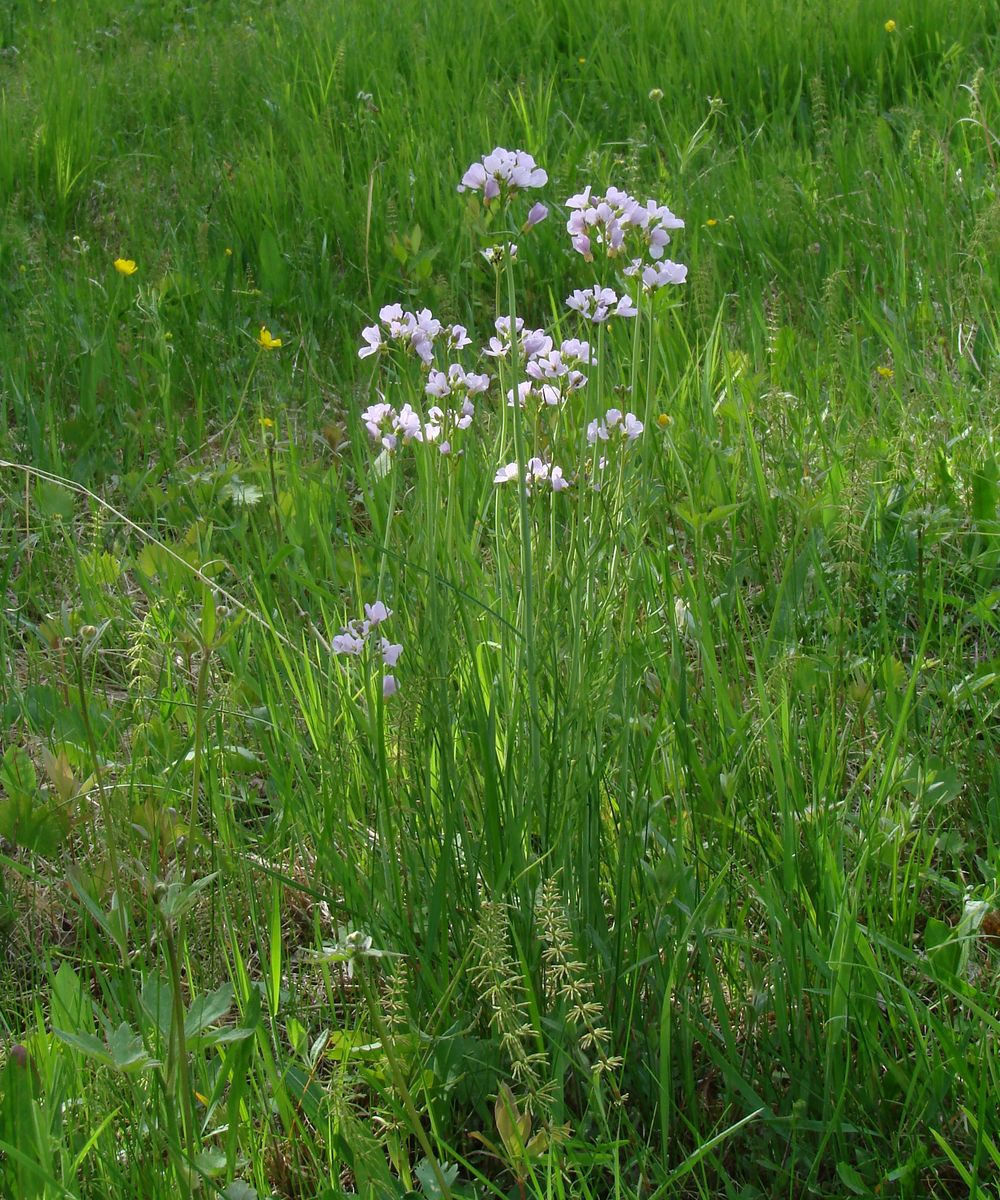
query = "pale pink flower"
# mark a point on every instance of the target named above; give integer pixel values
(537, 213)
(391, 652)
(377, 613)
(347, 643)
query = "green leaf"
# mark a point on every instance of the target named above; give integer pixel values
(17, 773)
(208, 1010)
(429, 1181)
(943, 952)
(54, 501)
(210, 1163)
(852, 1180)
(238, 1190)
(127, 1051)
(27, 817)
(88, 1045)
(179, 897)
(70, 1006)
(156, 1000)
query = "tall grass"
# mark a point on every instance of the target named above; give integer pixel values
(671, 867)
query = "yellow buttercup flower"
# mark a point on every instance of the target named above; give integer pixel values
(266, 423)
(229, 252)
(266, 341)
(885, 372)
(890, 26)
(125, 266)
(712, 221)
(663, 420)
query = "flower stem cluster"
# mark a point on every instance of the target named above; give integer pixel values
(537, 473)
(503, 173)
(597, 304)
(390, 426)
(627, 426)
(415, 333)
(619, 223)
(615, 218)
(360, 635)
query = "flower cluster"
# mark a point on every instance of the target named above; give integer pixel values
(455, 381)
(554, 374)
(598, 303)
(537, 473)
(659, 274)
(619, 223)
(415, 332)
(390, 426)
(627, 425)
(497, 255)
(358, 634)
(530, 341)
(610, 218)
(503, 173)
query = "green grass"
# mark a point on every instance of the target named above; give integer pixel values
(679, 845)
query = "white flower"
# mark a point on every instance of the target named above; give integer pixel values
(373, 339)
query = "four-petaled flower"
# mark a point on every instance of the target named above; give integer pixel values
(503, 171)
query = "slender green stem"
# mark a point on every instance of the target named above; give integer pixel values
(178, 1070)
(199, 737)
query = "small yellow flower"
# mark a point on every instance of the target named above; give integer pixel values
(663, 420)
(890, 26)
(266, 423)
(229, 252)
(711, 222)
(266, 341)
(885, 372)
(125, 266)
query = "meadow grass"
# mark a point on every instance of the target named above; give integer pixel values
(671, 866)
